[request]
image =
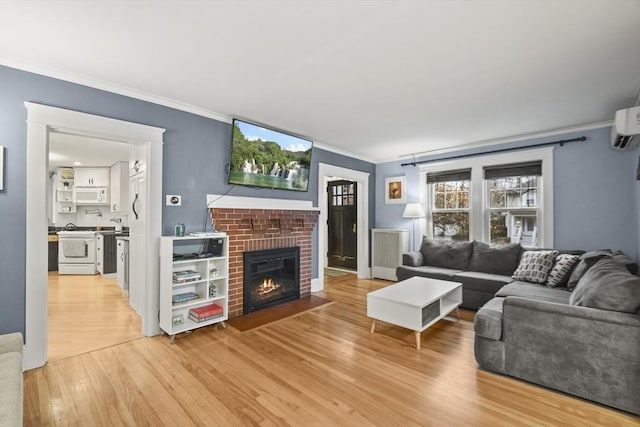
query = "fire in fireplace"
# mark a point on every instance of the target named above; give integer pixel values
(271, 277)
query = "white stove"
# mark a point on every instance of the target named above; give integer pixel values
(77, 252)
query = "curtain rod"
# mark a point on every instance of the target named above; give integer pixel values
(502, 150)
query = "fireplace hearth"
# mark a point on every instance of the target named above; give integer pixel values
(271, 277)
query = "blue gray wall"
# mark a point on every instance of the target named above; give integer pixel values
(596, 195)
(195, 153)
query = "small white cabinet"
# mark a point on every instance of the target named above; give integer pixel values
(194, 282)
(91, 177)
(119, 179)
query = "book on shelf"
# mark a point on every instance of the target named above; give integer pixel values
(203, 319)
(184, 297)
(186, 276)
(209, 310)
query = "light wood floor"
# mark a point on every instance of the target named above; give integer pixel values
(319, 368)
(87, 313)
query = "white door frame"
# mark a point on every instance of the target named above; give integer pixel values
(328, 173)
(42, 120)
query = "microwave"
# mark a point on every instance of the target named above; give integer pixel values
(90, 196)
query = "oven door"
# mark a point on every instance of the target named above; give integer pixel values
(76, 250)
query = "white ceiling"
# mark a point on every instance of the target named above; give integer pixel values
(376, 79)
(67, 150)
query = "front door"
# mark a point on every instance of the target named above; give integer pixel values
(342, 231)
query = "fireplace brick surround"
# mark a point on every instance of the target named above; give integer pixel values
(257, 229)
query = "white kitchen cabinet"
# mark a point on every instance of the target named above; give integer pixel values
(194, 282)
(119, 179)
(100, 253)
(91, 177)
(122, 269)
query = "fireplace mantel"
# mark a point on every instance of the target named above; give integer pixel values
(237, 202)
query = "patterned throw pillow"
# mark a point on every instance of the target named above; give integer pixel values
(535, 266)
(559, 274)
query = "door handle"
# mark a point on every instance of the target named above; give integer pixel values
(354, 228)
(133, 206)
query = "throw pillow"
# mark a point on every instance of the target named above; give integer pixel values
(559, 274)
(535, 266)
(587, 260)
(608, 285)
(446, 253)
(492, 259)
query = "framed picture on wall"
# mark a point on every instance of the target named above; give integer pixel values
(394, 190)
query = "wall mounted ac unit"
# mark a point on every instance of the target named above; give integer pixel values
(625, 133)
(386, 253)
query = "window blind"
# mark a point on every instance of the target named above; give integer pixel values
(513, 169)
(456, 175)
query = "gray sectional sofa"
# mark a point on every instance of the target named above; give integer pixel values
(581, 338)
(11, 382)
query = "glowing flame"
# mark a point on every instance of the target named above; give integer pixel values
(267, 286)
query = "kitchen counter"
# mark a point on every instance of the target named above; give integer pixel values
(110, 232)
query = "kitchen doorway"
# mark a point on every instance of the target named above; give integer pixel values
(42, 120)
(88, 308)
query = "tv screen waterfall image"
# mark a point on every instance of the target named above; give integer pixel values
(262, 157)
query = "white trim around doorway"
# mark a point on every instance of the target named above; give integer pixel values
(41, 120)
(327, 173)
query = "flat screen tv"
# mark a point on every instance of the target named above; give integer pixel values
(268, 158)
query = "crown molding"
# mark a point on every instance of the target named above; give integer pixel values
(110, 87)
(336, 150)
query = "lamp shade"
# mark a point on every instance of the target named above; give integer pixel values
(413, 210)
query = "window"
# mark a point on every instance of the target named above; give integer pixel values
(450, 204)
(498, 198)
(513, 202)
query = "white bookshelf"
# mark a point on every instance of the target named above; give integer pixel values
(211, 284)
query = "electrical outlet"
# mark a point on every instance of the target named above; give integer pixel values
(174, 200)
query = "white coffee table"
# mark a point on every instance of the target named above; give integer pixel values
(415, 303)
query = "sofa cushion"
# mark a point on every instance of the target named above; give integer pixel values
(482, 281)
(534, 266)
(495, 259)
(536, 292)
(608, 285)
(488, 320)
(404, 272)
(587, 260)
(561, 270)
(622, 258)
(413, 259)
(446, 253)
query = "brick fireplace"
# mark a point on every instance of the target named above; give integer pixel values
(251, 229)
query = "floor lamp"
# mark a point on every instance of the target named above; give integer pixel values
(413, 211)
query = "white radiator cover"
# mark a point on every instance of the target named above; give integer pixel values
(386, 252)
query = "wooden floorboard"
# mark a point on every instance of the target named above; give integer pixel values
(86, 313)
(278, 312)
(322, 367)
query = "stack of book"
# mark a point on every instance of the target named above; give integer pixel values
(205, 313)
(184, 297)
(186, 276)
